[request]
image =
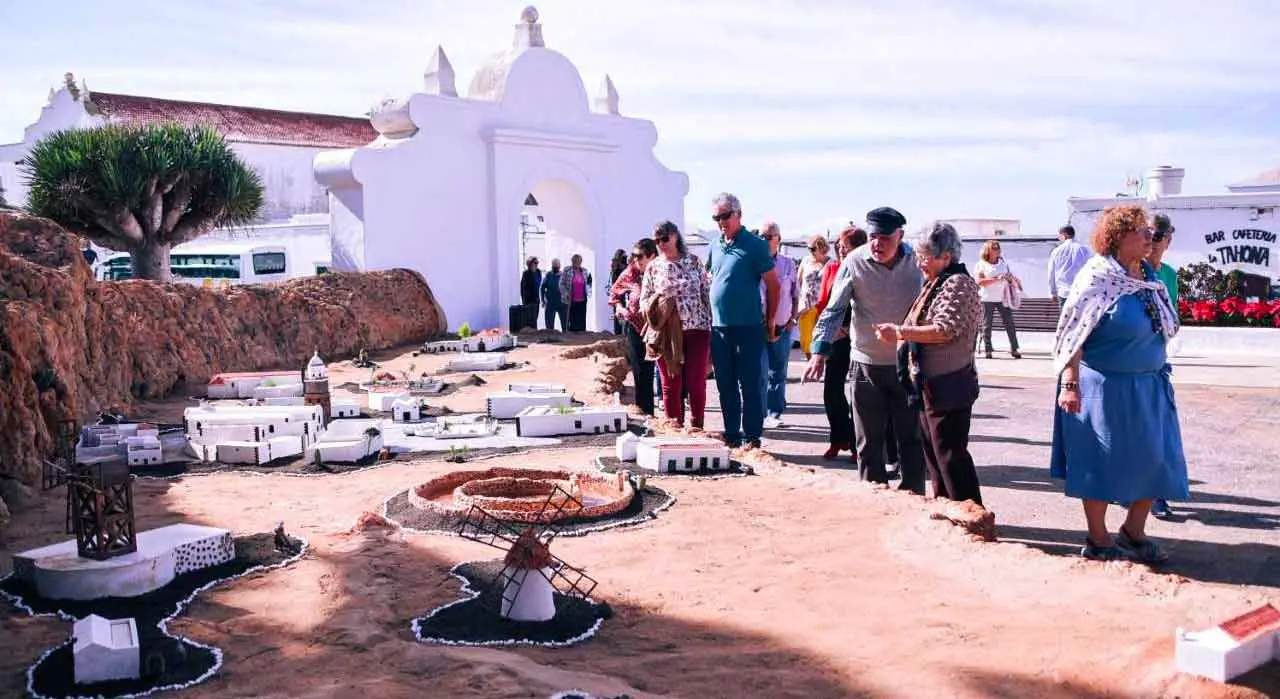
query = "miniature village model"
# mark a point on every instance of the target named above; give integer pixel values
(1232, 648)
(673, 454)
(543, 421)
(491, 361)
(455, 427)
(494, 340)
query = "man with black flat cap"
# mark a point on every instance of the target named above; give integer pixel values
(879, 281)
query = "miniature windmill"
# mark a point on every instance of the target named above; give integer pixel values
(99, 499)
(531, 573)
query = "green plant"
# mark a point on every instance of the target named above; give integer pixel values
(464, 330)
(1204, 282)
(564, 409)
(141, 188)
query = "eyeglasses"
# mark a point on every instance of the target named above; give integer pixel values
(662, 237)
(1158, 237)
(723, 216)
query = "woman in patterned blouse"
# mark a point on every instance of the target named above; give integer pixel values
(936, 360)
(810, 289)
(624, 296)
(678, 274)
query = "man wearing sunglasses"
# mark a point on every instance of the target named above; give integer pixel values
(1161, 237)
(880, 282)
(739, 262)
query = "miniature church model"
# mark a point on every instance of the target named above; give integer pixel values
(315, 385)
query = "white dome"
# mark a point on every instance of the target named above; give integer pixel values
(490, 81)
(316, 368)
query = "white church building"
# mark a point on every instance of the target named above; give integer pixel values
(436, 182)
(278, 145)
(443, 188)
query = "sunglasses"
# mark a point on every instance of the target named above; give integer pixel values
(1158, 237)
(662, 237)
(723, 216)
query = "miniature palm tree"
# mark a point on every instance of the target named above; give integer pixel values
(369, 434)
(141, 189)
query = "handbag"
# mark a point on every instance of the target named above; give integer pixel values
(956, 390)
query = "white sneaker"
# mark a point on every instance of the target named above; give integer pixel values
(772, 423)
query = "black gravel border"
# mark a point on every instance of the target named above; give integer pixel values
(650, 501)
(185, 662)
(475, 621)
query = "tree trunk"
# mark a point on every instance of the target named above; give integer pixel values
(151, 261)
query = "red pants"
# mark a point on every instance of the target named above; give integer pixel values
(691, 375)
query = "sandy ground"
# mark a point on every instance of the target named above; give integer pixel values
(797, 582)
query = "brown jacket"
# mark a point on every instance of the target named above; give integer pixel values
(663, 333)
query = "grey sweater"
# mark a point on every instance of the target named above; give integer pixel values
(877, 294)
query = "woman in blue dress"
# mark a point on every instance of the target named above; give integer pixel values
(1115, 431)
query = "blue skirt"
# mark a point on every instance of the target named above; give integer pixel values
(1125, 443)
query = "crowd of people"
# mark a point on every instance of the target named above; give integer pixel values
(891, 326)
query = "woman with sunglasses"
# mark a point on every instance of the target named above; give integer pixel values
(1115, 431)
(624, 296)
(994, 278)
(678, 275)
(811, 269)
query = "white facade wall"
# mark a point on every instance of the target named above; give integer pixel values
(537, 388)
(1229, 231)
(450, 165)
(549, 422)
(406, 410)
(144, 450)
(384, 401)
(489, 361)
(673, 456)
(505, 406)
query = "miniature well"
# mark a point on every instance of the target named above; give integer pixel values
(518, 495)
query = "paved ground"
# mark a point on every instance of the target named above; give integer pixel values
(1228, 533)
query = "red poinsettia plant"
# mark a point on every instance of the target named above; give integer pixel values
(1233, 311)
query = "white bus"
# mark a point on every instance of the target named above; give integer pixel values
(217, 264)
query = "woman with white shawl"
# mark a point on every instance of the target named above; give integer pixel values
(1115, 432)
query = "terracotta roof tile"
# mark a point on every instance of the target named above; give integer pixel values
(242, 124)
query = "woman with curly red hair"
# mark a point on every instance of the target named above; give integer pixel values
(1115, 433)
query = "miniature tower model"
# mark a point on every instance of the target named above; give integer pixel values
(315, 385)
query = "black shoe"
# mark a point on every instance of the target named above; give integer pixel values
(753, 444)
(988, 354)
(1016, 354)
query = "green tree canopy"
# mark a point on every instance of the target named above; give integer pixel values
(141, 188)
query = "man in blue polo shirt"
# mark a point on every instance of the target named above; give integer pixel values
(739, 262)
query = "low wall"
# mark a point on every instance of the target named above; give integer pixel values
(71, 346)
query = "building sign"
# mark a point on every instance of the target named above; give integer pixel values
(1241, 247)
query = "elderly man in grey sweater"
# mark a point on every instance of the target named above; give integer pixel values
(879, 281)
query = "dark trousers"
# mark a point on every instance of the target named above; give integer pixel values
(688, 379)
(641, 368)
(878, 397)
(989, 309)
(737, 354)
(550, 315)
(839, 417)
(946, 454)
(577, 316)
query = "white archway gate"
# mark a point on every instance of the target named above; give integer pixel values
(441, 190)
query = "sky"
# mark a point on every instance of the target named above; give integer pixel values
(811, 112)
